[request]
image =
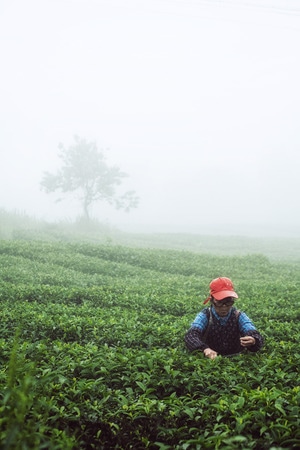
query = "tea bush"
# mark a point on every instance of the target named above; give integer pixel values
(92, 354)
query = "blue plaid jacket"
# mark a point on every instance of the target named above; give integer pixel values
(222, 334)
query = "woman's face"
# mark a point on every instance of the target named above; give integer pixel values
(223, 306)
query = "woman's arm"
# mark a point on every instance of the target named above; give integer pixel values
(194, 337)
(247, 329)
(193, 340)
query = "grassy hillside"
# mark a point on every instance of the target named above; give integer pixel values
(18, 226)
(92, 353)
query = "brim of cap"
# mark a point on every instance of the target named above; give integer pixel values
(223, 294)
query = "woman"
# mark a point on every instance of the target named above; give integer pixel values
(221, 329)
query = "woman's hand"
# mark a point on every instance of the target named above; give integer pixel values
(209, 353)
(247, 341)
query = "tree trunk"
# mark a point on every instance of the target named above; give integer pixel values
(86, 209)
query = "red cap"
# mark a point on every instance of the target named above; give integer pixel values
(220, 288)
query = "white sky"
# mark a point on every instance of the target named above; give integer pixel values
(198, 101)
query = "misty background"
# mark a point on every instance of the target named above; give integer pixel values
(198, 101)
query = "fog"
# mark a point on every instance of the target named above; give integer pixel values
(198, 101)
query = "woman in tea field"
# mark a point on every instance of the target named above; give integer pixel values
(221, 329)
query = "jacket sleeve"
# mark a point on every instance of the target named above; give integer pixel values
(247, 328)
(259, 341)
(194, 337)
(193, 340)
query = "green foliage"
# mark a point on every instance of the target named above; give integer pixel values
(92, 354)
(85, 171)
(22, 424)
(19, 226)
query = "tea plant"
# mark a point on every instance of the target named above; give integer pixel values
(92, 354)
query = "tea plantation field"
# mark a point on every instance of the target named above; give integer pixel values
(92, 353)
